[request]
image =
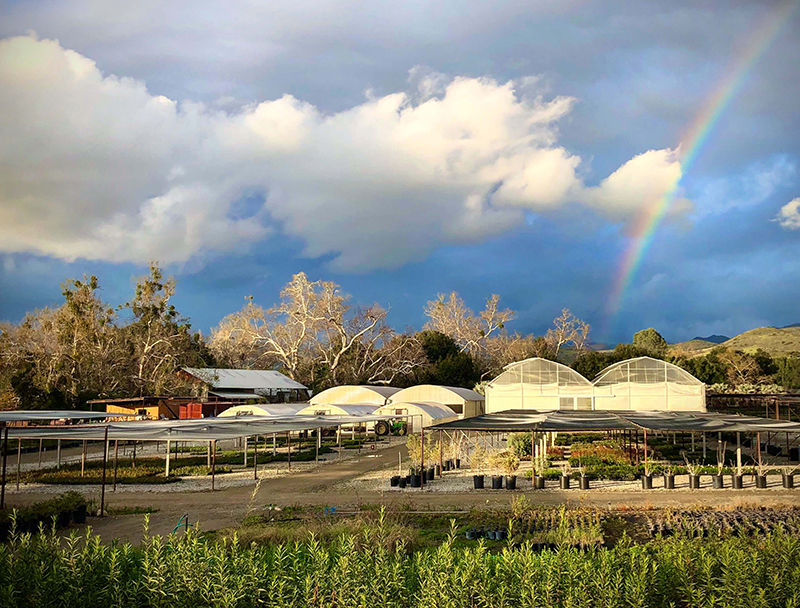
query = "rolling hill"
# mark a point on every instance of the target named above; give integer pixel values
(774, 340)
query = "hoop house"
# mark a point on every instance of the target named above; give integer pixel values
(648, 384)
(539, 384)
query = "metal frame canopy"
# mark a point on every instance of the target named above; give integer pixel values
(566, 421)
(197, 429)
(46, 415)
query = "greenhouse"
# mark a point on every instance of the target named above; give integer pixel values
(418, 415)
(648, 384)
(338, 409)
(374, 395)
(263, 409)
(539, 384)
(462, 401)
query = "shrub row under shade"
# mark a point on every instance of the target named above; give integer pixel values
(45, 571)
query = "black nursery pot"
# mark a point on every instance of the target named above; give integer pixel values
(737, 482)
(497, 482)
(694, 482)
(669, 482)
(431, 474)
(458, 463)
(761, 481)
(64, 518)
(438, 471)
(79, 514)
(477, 482)
(564, 481)
(395, 481)
(788, 480)
(401, 482)
(416, 481)
(584, 482)
(718, 482)
(647, 482)
(538, 482)
(511, 482)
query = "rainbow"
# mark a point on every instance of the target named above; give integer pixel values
(645, 226)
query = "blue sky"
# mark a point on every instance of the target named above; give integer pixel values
(402, 150)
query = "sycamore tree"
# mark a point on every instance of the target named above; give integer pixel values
(449, 315)
(316, 336)
(568, 329)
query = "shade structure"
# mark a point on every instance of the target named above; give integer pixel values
(462, 401)
(198, 429)
(539, 384)
(337, 409)
(354, 394)
(603, 420)
(418, 415)
(47, 415)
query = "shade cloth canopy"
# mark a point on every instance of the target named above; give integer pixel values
(599, 420)
(45, 415)
(197, 429)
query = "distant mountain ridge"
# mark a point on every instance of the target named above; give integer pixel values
(714, 339)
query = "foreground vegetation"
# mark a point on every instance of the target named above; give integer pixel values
(365, 570)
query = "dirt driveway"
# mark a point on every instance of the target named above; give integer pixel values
(229, 506)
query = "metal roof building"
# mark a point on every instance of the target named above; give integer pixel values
(247, 384)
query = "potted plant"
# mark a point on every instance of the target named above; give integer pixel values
(788, 477)
(539, 467)
(496, 463)
(647, 478)
(693, 469)
(717, 480)
(761, 474)
(509, 463)
(414, 447)
(564, 479)
(669, 477)
(431, 455)
(477, 462)
(584, 480)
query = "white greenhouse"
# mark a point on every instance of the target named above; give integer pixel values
(539, 384)
(462, 401)
(263, 409)
(338, 409)
(648, 384)
(376, 395)
(418, 415)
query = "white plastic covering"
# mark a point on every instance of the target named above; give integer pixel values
(357, 394)
(416, 414)
(645, 383)
(338, 409)
(45, 415)
(539, 384)
(462, 401)
(263, 409)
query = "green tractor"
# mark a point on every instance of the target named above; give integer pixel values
(391, 427)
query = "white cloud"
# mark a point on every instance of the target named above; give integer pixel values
(96, 167)
(789, 215)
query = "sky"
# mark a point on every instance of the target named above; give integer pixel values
(636, 163)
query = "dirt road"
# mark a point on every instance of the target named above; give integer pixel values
(229, 506)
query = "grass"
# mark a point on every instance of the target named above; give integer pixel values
(130, 510)
(368, 564)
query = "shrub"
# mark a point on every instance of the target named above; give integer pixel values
(520, 444)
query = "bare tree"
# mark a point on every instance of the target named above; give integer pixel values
(449, 315)
(567, 328)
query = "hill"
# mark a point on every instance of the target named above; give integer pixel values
(774, 340)
(696, 344)
(714, 339)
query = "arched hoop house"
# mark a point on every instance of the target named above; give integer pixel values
(462, 401)
(418, 415)
(539, 384)
(358, 394)
(645, 383)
